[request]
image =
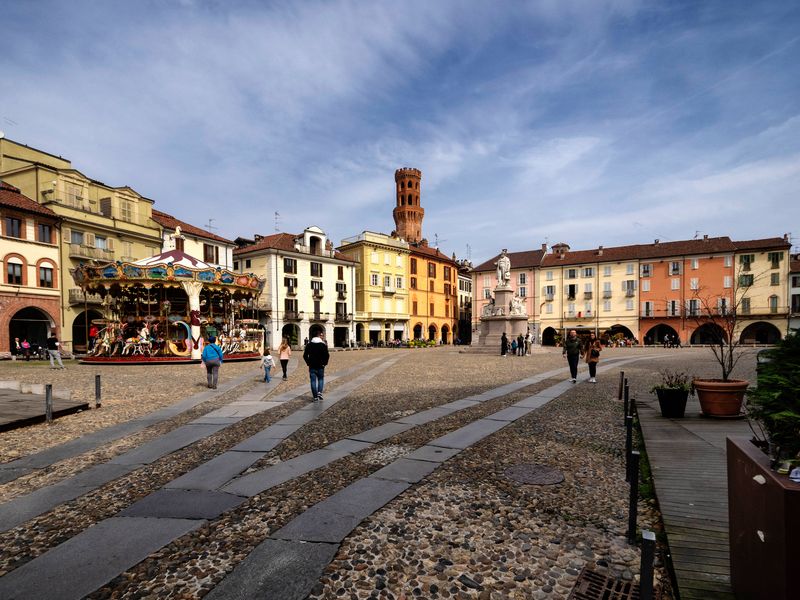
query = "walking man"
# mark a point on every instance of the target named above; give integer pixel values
(53, 351)
(572, 352)
(316, 356)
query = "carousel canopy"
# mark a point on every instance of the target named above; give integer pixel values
(172, 269)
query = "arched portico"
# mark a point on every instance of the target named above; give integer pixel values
(709, 333)
(760, 333)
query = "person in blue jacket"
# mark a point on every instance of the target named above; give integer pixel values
(212, 359)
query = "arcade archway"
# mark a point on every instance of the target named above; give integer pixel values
(291, 332)
(445, 334)
(657, 334)
(432, 333)
(79, 329)
(709, 333)
(549, 337)
(760, 333)
(32, 324)
(418, 331)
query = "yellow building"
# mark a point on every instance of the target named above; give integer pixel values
(762, 289)
(589, 290)
(99, 222)
(381, 297)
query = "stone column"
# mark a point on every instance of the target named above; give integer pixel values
(193, 289)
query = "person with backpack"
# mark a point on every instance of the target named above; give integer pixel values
(212, 359)
(316, 356)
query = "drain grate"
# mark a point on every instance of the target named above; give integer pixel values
(534, 474)
(592, 585)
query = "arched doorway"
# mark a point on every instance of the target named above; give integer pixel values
(32, 324)
(432, 333)
(340, 337)
(617, 332)
(360, 333)
(79, 330)
(760, 333)
(549, 337)
(291, 332)
(656, 334)
(445, 334)
(315, 329)
(709, 333)
(418, 331)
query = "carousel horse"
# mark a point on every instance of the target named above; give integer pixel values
(104, 346)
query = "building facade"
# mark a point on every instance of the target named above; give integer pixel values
(465, 302)
(309, 286)
(30, 290)
(649, 293)
(194, 241)
(98, 222)
(794, 293)
(381, 287)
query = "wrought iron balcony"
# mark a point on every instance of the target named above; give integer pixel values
(76, 297)
(291, 315)
(343, 317)
(317, 293)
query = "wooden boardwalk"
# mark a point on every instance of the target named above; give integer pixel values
(19, 410)
(687, 458)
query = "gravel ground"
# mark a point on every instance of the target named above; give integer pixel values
(464, 532)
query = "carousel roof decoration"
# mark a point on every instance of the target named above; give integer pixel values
(170, 268)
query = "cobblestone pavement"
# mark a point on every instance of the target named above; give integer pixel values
(465, 531)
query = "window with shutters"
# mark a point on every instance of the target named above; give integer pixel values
(629, 304)
(694, 283)
(399, 283)
(431, 269)
(487, 293)
(126, 210)
(775, 279)
(607, 305)
(549, 276)
(744, 306)
(675, 283)
(373, 279)
(413, 266)
(316, 269)
(45, 277)
(105, 207)
(374, 258)
(13, 227)
(447, 272)
(523, 292)
(387, 281)
(745, 280)
(645, 270)
(290, 266)
(646, 285)
(548, 309)
(76, 237)
(745, 260)
(101, 242)
(693, 308)
(675, 268)
(571, 290)
(208, 253)
(695, 264)
(180, 244)
(523, 278)
(629, 268)
(727, 281)
(572, 274)
(340, 272)
(773, 304)
(73, 194)
(673, 308)
(607, 271)
(549, 292)
(414, 307)
(775, 259)
(588, 271)
(44, 233)
(728, 261)
(431, 312)
(648, 309)
(413, 283)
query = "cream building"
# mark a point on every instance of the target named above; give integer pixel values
(99, 222)
(30, 289)
(194, 241)
(381, 288)
(309, 286)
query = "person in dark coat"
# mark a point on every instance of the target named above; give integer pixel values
(573, 351)
(316, 356)
(503, 345)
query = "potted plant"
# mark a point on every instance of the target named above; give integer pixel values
(672, 392)
(763, 502)
(724, 396)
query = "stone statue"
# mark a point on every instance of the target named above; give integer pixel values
(516, 306)
(503, 269)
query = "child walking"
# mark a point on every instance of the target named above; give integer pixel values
(267, 363)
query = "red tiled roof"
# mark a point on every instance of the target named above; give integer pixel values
(527, 259)
(170, 222)
(11, 196)
(431, 252)
(280, 241)
(794, 264)
(764, 244)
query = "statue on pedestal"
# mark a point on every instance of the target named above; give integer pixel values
(516, 306)
(503, 269)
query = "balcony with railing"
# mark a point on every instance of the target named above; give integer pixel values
(292, 315)
(389, 289)
(578, 314)
(291, 290)
(321, 316)
(317, 293)
(343, 317)
(549, 297)
(630, 293)
(82, 251)
(587, 295)
(341, 295)
(606, 294)
(76, 296)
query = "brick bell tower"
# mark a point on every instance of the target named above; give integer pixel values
(408, 213)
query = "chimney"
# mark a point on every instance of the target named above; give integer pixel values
(705, 237)
(544, 248)
(657, 242)
(785, 237)
(599, 251)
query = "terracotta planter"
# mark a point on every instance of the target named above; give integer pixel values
(720, 398)
(672, 402)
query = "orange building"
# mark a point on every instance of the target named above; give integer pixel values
(432, 276)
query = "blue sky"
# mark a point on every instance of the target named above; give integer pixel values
(589, 122)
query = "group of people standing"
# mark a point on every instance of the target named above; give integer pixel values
(575, 349)
(315, 355)
(519, 346)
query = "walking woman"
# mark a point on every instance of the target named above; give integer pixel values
(503, 344)
(592, 355)
(212, 359)
(572, 351)
(284, 352)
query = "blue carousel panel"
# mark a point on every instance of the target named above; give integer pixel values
(227, 278)
(179, 271)
(157, 273)
(133, 272)
(110, 272)
(206, 275)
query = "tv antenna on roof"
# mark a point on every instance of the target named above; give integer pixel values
(209, 226)
(437, 240)
(277, 215)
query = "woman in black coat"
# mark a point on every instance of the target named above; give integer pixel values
(503, 345)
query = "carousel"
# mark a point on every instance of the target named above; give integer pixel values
(163, 308)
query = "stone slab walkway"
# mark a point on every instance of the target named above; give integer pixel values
(688, 464)
(20, 410)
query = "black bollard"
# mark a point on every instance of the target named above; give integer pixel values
(97, 391)
(628, 446)
(621, 384)
(48, 402)
(646, 566)
(634, 497)
(625, 398)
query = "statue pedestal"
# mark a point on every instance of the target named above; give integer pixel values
(492, 327)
